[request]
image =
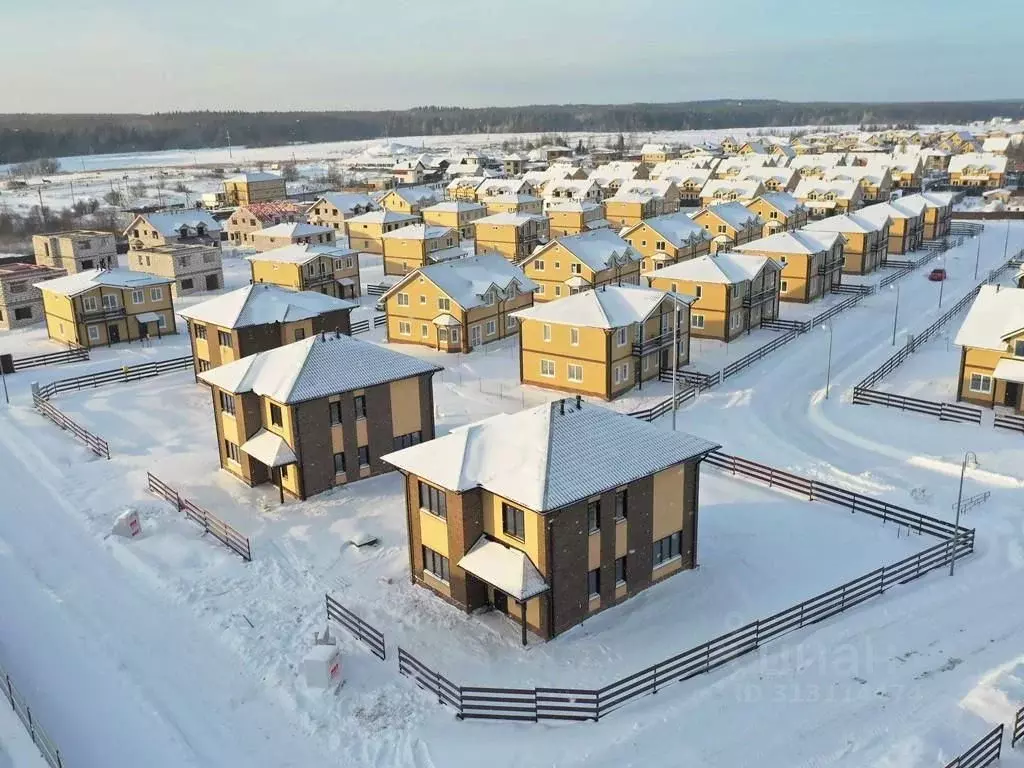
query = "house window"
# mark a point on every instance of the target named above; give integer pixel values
(574, 336)
(575, 268)
(423, 299)
(980, 383)
(453, 336)
(620, 337)
(540, 290)
(360, 404)
(547, 369)
(699, 291)
(110, 301)
(404, 328)
(489, 299)
(784, 286)
(667, 549)
(424, 331)
(546, 332)
(364, 455)
(697, 321)
(156, 294)
(23, 313)
(200, 331)
(510, 323)
(433, 500)
(227, 403)
(275, 415)
(339, 463)
(231, 451)
(187, 284)
(444, 304)
(491, 328)
(94, 333)
(300, 334)
(620, 571)
(89, 304)
(403, 299)
(660, 245)
(406, 441)
(224, 338)
(538, 265)
(594, 583)
(558, 290)
(434, 564)
(735, 320)
(513, 522)
(335, 409)
(575, 373)
(621, 504)
(204, 365)
(594, 515)
(138, 296)
(1018, 348)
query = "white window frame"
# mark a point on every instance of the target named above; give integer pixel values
(574, 337)
(573, 368)
(404, 328)
(697, 322)
(110, 301)
(424, 331)
(491, 327)
(402, 299)
(156, 293)
(546, 332)
(138, 296)
(984, 383)
(544, 364)
(89, 304)
(93, 332)
(454, 335)
(161, 322)
(621, 336)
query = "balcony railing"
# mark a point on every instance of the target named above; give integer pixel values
(655, 343)
(834, 265)
(757, 299)
(105, 313)
(320, 278)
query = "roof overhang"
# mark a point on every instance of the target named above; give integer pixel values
(268, 449)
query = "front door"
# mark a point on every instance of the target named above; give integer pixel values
(500, 602)
(113, 334)
(1012, 395)
(474, 336)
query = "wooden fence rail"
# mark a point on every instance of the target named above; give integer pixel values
(943, 411)
(664, 406)
(363, 326)
(1009, 421)
(123, 375)
(10, 364)
(1018, 728)
(985, 752)
(761, 352)
(367, 634)
(47, 747)
(211, 524)
(95, 443)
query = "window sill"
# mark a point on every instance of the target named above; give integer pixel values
(434, 514)
(438, 579)
(619, 520)
(663, 563)
(593, 531)
(512, 536)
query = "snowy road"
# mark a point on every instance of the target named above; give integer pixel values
(121, 676)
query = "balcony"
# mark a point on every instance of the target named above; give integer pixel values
(321, 278)
(757, 299)
(833, 265)
(106, 313)
(655, 343)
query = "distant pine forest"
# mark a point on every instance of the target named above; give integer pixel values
(30, 137)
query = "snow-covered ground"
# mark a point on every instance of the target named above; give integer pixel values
(170, 644)
(16, 747)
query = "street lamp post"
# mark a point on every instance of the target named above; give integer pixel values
(828, 367)
(942, 282)
(959, 503)
(977, 256)
(896, 313)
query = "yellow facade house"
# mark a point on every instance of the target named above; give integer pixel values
(613, 175)
(737, 190)
(906, 223)
(938, 213)
(729, 224)
(575, 525)
(638, 200)
(780, 212)
(107, 306)
(297, 233)
(455, 214)
(463, 188)
(773, 179)
(575, 263)
(906, 169)
(76, 250)
(604, 342)
(579, 190)
(812, 262)
(688, 181)
(867, 240)
(188, 226)
(335, 209)
(321, 268)
(734, 292)
(513, 235)
(652, 154)
(254, 187)
(816, 165)
(518, 203)
(664, 240)
(457, 306)
(571, 217)
(319, 412)
(875, 180)
(829, 197)
(366, 231)
(978, 170)
(991, 342)
(507, 187)
(255, 216)
(411, 200)
(418, 245)
(257, 318)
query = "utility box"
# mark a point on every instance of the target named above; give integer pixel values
(322, 666)
(128, 525)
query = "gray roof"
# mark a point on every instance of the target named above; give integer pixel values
(545, 459)
(263, 303)
(316, 367)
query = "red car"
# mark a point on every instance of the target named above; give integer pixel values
(937, 275)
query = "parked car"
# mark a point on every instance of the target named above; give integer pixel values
(937, 275)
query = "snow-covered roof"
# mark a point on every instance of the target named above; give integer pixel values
(496, 187)
(446, 254)
(879, 212)
(847, 223)
(418, 232)
(782, 201)
(677, 228)
(169, 223)
(607, 307)
(822, 160)
(746, 188)
(418, 195)
(576, 188)
(247, 177)
(466, 281)
(505, 568)
(300, 253)
(980, 161)
(762, 173)
(294, 229)
(997, 312)
(551, 456)
(519, 198)
(315, 367)
(652, 187)
(263, 303)
(797, 241)
(454, 206)
(996, 144)
(269, 449)
(841, 188)
(1009, 370)
(680, 174)
(516, 219)
(734, 214)
(347, 202)
(383, 216)
(80, 282)
(656, 149)
(723, 267)
(599, 248)
(464, 182)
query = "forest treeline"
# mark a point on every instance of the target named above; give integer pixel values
(29, 137)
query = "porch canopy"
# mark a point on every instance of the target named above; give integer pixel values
(1010, 370)
(504, 568)
(269, 449)
(148, 317)
(445, 319)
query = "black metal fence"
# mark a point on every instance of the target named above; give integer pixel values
(664, 406)
(1009, 421)
(362, 326)
(94, 442)
(966, 228)
(125, 374)
(941, 410)
(758, 354)
(370, 636)
(1018, 728)
(10, 364)
(210, 523)
(378, 290)
(693, 378)
(47, 747)
(985, 752)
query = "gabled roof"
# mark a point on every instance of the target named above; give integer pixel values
(346, 202)
(417, 195)
(735, 214)
(996, 313)
(263, 303)
(782, 202)
(465, 281)
(986, 162)
(847, 223)
(80, 282)
(677, 228)
(571, 206)
(294, 229)
(724, 267)
(515, 219)
(546, 458)
(382, 216)
(496, 187)
(797, 241)
(890, 211)
(598, 249)
(607, 307)
(454, 206)
(418, 232)
(301, 253)
(319, 366)
(247, 177)
(169, 223)
(843, 188)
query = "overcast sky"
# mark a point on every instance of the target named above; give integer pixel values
(132, 56)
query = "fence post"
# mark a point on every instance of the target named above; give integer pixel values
(177, 500)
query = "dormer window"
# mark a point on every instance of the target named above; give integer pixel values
(1018, 348)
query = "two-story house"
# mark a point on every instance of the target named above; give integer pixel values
(780, 212)
(418, 245)
(513, 235)
(255, 216)
(867, 240)
(595, 508)
(906, 223)
(991, 342)
(519, 203)
(254, 187)
(296, 233)
(978, 170)
(190, 268)
(571, 217)
(729, 224)
(259, 317)
(21, 302)
(734, 292)
(938, 213)
(76, 250)
(321, 268)
(829, 197)
(107, 306)
(457, 306)
(455, 214)
(366, 231)
(651, 154)
(335, 209)
(812, 262)
(575, 263)
(741, 191)
(603, 342)
(411, 200)
(189, 226)
(664, 240)
(318, 412)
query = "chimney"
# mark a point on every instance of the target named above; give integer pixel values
(323, 336)
(561, 407)
(337, 333)
(579, 402)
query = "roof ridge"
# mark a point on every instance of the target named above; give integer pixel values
(547, 453)
(313, 340)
